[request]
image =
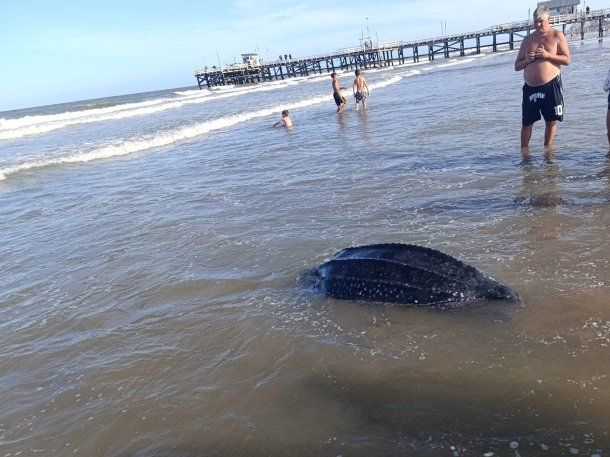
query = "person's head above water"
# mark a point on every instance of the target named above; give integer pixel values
(357, 72)
(284, 113)
(333, 75)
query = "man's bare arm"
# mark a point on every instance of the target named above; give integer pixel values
(522, 59)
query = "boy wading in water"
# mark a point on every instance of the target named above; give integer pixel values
(339, 98)
(360, 89)
(284, 120)
(541, 55)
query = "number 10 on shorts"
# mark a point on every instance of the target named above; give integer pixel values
(559, 110)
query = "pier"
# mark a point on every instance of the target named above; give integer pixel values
(378, 55)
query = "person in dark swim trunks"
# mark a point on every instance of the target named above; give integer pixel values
(540, 57)
(546, 99)
(360, 89)
(339, 98)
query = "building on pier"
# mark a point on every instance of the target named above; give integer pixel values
(251, 59)
(561, 6)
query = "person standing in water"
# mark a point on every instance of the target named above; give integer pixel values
(339, 98)
(607, 89)
(541, 55)
(360, 89)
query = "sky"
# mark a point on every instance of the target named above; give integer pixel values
(67, 50)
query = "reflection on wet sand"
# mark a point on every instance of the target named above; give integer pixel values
(604, 174)
(539, 187)
(342, 125)
(362, 119)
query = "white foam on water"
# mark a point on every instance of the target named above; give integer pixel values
(162, 139)
(26, 121)
(451, 62)
(454, 62)
(317, 78)
(193, 92)
(35, 125)
(50, 126)
(385, 82)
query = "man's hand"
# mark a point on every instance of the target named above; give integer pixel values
(531, 56)
(541, 53)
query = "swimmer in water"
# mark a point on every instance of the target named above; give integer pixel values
(285, 120)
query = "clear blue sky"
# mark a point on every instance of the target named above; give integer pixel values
(67, 50)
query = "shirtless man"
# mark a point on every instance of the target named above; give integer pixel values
(339, 98)
(541, 55)
(360, 89)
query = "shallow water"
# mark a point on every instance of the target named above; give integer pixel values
(152, 300)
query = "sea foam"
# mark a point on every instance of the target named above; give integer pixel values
(35, 125)
(174, 136)
(160, 139)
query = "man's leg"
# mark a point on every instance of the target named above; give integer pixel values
(549, 132)
(526, 134)
(608, 124)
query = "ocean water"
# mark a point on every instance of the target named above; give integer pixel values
(153, 249)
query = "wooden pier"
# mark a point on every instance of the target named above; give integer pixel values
(393, 53)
